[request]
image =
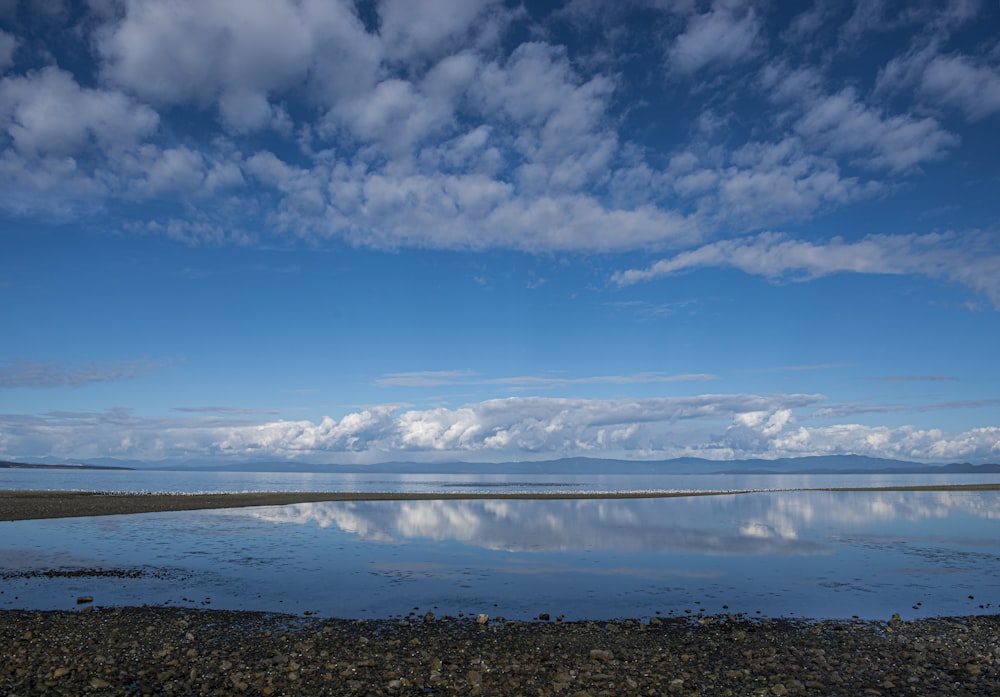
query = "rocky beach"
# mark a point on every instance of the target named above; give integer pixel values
(174, 651)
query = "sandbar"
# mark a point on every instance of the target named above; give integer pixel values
(26, 504)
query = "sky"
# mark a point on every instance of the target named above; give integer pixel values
(353, 231)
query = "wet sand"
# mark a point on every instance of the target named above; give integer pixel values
(28, 505)
(17, 504)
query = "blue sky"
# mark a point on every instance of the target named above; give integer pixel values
(485, 230)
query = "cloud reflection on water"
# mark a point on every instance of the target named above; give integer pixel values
(767, 523)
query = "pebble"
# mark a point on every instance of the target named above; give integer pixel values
(216, 652)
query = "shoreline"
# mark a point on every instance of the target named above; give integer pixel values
(32, 504)
(158, 650)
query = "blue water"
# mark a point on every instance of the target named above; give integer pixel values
(203, 482)
(768, 553)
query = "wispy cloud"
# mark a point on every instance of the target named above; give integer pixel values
(234, 411)
(644, 308)
(971, 259)
(839, 411)
(40, 374)
(816, 366)
(464, 377)
(426, 378)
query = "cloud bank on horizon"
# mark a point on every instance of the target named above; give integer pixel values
(493, 229)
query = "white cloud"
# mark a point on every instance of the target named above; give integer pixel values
(395, 114)
(760, 184)
(868, 16)
(249, 110)
(237, 56)
(726, 35)
(529, 427)
(554, 120)
(971, 259)
(70, 147)
(413, 31)
(958, 81)
(934, 19)
(8, 44)
(48, 113)
(431, 132)
(843, 125)
(425, 378)
(780, 181)
(807, 24)
(905, 443)
(471, 211)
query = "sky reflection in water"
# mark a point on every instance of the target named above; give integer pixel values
(816, 554)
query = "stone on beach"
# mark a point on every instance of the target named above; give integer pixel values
(157, 650)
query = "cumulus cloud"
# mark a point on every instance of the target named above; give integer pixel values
(554, 119)
(779, 181)
(46, 113)
(8, 44)
(843, 124)
(72, 142)
(958, 82)
(389, 209)
(521, 424)
(718, 427)
(971, 260)
(729, 33)
(905, 443)
(412, 31)
(442, 128)
(970, 84)
(237, 57)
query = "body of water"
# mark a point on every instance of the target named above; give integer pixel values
(767, 553)
(220, 482)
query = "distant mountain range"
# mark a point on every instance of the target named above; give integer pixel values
(7, 464)
(821, 464)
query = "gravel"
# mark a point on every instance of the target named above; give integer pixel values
(175, 651)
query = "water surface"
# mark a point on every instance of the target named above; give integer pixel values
(803, 553)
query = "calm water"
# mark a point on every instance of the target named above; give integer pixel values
(816, 554)
(194, 482)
